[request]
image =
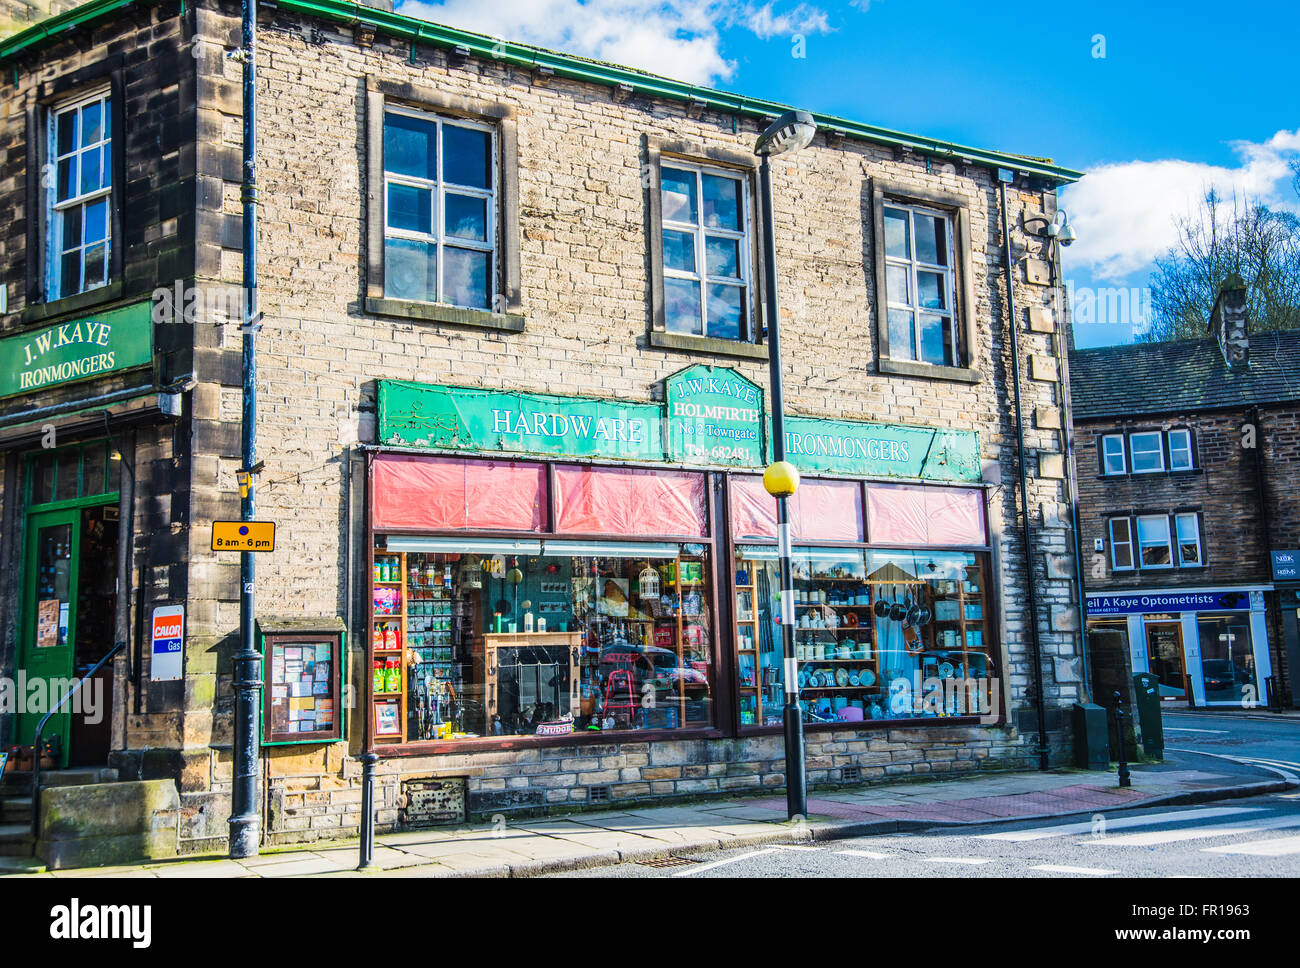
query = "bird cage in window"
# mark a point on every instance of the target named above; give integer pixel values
(649, 583)
(471, 573)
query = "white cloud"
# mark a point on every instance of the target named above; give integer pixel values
(1125, 213)
(677, 38)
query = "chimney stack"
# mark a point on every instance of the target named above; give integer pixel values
(1229, 322)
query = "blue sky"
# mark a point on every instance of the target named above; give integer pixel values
(1187, 95)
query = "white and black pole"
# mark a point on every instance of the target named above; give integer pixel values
(789, 133)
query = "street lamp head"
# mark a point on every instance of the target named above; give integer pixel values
(781, 479)
(791, 132)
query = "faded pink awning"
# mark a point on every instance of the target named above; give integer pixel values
(819, 511)
(410, 492)
(629, 502)
(912, 514)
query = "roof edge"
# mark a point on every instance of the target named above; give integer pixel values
(574, 68)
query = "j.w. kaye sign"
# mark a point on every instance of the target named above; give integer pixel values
(711, 417)
(119, 339)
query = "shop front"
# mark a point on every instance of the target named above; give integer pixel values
(556, 586)
(1208, 647)
(71, 395)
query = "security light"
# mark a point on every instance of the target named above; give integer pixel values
(792, 131)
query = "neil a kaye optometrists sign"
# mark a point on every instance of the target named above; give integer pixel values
(1210, 601)
(83, 349)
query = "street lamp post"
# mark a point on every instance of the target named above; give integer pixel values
(787, 134)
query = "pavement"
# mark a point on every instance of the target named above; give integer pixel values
(583, 840)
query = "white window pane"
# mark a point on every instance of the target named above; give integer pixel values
(410, 146)
(722, 256)
(96, 229)
(70, 273)
(410, 208)
(96, 265)
(105, 166)
(930, 289)
(931, 239)
(410, 270)
(1146, 452)
(677, 195)
(897, 284)
(682, 306)
(66, 180)
(1113, 454)
(90, 124)
(679, 250)
(466, 277)
(726, 304)
(1153, 528)
(902, 335)
(1189, 542)
(65, 138)
(1180, 450)
(71, 235)
(466, 156)
(936, 339)
(722, 206)
(897, 243)
(90, 172)
(465, 216)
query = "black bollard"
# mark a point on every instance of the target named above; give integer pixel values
(368, 762)
(1119, 729)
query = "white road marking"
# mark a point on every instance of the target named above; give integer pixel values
(1151, 838)
(1058, 869)
(720, 863)
(1119, 823)
(1184, 729)
(793, 847)
(1277, 847)
(958, 860)
(862, 853)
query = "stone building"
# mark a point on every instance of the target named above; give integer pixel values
(1191, 536)
(512, 372)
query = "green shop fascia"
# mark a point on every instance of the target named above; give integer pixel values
(544, 565)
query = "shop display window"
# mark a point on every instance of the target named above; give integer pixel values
(1227, 658)
(517, 638)
(875, 630)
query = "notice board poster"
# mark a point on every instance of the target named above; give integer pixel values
(302, 689)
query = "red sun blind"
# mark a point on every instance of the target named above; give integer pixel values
(628, 501)
(446, 494)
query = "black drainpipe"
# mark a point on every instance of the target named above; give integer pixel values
(1042, 751)
(1274, 697)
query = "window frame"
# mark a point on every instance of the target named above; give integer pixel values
(506, 310)
(1195, 518)
(1129, 543)
(1191, 449)
(1103, 456)
(438, 188)
(914, 266)
(957, 209)
(1160, 451)
(682, 154)
(1141, 545)
(58, 93)
(700, 234)
(55, 211)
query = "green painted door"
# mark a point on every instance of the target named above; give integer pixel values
(47, 639)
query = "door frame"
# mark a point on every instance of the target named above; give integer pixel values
(1177, 623)
(35, 516)
(34, 524)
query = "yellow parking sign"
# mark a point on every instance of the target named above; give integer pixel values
(243, 535)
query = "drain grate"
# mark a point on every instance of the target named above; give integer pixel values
(599, 794)
(660, 862)
(851, 774)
